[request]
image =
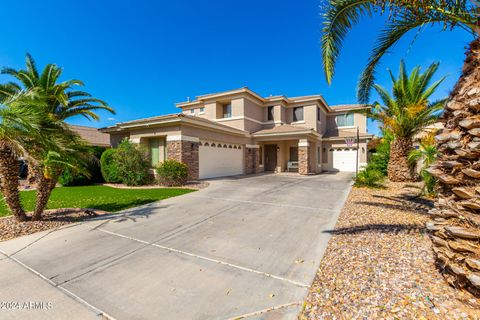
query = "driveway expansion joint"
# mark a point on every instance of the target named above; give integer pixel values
(169, 249)
(71, 295)
(264, 203)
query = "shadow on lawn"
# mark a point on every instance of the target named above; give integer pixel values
(115, 206)
(382, 228)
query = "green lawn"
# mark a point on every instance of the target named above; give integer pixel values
(97, 197)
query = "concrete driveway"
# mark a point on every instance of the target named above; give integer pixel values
(244, 247)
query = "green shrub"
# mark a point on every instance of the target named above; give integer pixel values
(133, 163)
(369, 177)
(108, 166)
(379, 160)
(172, 173)
(70, 177)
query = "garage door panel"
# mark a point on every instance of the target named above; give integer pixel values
(344, 160)
(219, 161)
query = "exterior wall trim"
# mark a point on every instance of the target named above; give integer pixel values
(303, 143)
(182, 138)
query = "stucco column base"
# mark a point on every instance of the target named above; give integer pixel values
(252, 159)
(186, 152)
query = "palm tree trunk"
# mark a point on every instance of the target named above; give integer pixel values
(45, 187)
(456, 216)
(9, 168)
(398, 168)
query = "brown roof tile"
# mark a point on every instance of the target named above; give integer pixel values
(92, 135)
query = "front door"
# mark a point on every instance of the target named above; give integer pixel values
(270, 157)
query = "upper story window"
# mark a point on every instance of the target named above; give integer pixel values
(227, 110)
(270, 113)
(202, 110)
(297, 114)
(344, 120)
(192, 111)
(319, 116)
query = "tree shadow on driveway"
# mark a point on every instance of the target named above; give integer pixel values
(381, 228)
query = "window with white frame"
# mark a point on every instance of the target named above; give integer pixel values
(344, 120)
(202, 110)
(270, 113)
(227, 110)
(192, 111)
(297, 114)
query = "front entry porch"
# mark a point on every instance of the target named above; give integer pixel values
(293, 155)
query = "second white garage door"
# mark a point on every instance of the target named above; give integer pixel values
(219, 160)
(344, 160)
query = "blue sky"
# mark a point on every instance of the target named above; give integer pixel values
(143, 56)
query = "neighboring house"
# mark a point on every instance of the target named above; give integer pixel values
(92, 136)
(240, 132)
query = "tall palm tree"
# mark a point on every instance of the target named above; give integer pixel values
(406, 113)
(457, 170)
(62, 101)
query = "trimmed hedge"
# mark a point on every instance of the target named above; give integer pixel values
(172, 173)
(109, 167)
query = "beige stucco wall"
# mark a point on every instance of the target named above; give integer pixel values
(116, 138)
(322, 125)
(204, 134)
(137, 134)
(310, 116)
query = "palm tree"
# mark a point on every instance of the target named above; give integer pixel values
(69, 152)
(61, 101)
(427, 154)
(406, 113)
(457, 170)
(18, 124)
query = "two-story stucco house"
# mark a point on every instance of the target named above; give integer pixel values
(240, 132)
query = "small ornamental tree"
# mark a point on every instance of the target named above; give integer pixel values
(172, 173)
(133, 163)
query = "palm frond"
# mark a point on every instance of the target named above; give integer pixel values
(339, 17)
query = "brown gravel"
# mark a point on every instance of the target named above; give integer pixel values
(379, 264)
(10, 228)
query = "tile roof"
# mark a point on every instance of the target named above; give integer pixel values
(344, 107)
(286, 128)
(344, 134)
(92, 135)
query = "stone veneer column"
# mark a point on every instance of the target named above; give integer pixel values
(252, 159)
(184, 149)
(303, 157)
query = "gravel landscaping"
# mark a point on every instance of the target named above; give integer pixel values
(379, 263)
(10, 228)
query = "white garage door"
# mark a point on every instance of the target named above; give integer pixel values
(219, 160)
(344, 160)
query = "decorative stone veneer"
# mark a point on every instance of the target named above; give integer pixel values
(186, 152)
(303, 160)
(252, 160)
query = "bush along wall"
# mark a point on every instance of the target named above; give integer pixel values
(71, 178)
(109, 169)
(172, 173)
(132, 163)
